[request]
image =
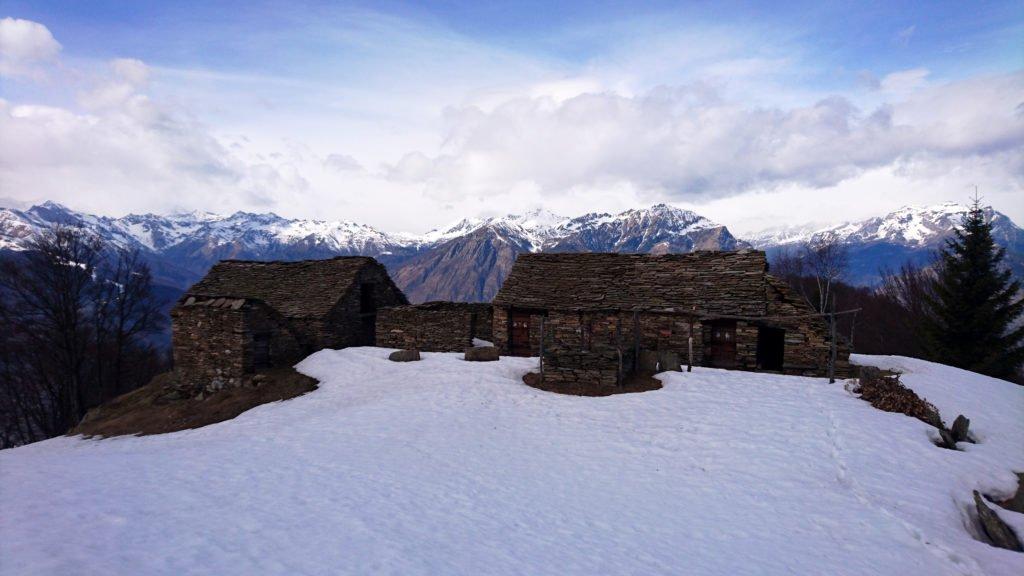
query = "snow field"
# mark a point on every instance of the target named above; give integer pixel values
(452, 467)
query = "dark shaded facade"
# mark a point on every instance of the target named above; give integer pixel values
(601, 311)
(434, 326)
(247, 315)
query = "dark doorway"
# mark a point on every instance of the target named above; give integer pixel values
(367, 314)
(519, 334)
(367, 298)
(260, 350)
(368, 336)
(771, 344)
(722, 348)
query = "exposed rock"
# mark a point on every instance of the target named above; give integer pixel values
(482, 354)
(1001, 535)
(404, 356)
(1016, 503)
(947, 440)
(649, 361)
(959, 429)
(670, 362)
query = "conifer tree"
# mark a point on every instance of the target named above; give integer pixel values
(975, 303)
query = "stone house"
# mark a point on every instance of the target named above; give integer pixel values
(600, 312)
(434, 326)
(246, 315)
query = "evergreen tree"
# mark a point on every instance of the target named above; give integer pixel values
(975, 304)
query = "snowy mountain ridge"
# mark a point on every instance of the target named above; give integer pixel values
(913, 226)
(477, 252)
(157, 233)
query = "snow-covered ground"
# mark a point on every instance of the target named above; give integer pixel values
(452, 467)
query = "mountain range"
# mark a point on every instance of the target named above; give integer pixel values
(469, 260)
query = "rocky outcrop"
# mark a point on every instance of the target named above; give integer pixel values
(1001, 535)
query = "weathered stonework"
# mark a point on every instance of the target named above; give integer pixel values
(598, 310)
(244, 316)
(434, 326)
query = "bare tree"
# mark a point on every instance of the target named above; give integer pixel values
(50, 290)
(910, 288)
(125, 310)
(826, 261)
(75, 317)
(790, 266)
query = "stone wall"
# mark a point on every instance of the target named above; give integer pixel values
(434, 326)
(806, 347)
(582, 349)
(348, 324)
(208, 345)
(499, 329)
(214, 344)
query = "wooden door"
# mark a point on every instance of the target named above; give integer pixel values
(722, 348)
(519, 334)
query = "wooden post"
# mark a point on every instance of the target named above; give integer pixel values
(618, 347)
(542, 349)
(832, 345)
(689, 358)
(636, 341)
(689, 344)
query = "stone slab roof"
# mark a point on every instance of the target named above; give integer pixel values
(704, 282)
(442, 305)
(302, 289)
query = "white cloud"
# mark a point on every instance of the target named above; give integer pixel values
(342, 163)
(123, 82)
(132, 71)
(687, 143)
(24, 45)
(718, 118)
(905, 81)
(905, 34)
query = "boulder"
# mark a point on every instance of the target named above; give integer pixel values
(649, 361)
(670, 362)
(959, 429)
(947, 439)
(1001, 535)
(870, 375)
(482, 354)
(404, 356)
(1016, 503)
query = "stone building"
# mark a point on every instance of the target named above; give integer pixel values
(434, 326)
(601, 312)
(246, 315)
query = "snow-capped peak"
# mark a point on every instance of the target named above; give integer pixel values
(909, 225)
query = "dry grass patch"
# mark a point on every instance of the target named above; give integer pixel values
(151, 410)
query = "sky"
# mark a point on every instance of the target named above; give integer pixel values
(410, 116)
